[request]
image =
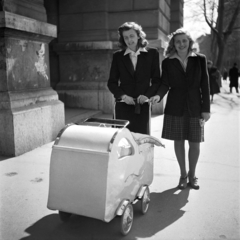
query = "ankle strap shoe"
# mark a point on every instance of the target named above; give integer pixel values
(193, 183)
(182, 183)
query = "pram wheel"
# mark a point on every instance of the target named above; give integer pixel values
(127, 219)
(145, 200)
(64, 216)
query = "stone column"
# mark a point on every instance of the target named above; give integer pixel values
(176, 15)
(84, 52)
(30, 112)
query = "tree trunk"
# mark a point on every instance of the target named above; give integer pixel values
(223, 28)
(214, 48)
(221, 50)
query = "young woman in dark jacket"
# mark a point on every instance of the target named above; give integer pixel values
(134, 77)
(185, 79)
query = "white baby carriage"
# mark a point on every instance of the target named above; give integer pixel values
(99, 171)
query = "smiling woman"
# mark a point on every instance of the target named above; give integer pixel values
(134, 77)
(185, 78)
(181, 44)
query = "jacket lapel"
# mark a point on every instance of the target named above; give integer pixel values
(178, 65)
(190, 64)
(128, 63)
(141, 62)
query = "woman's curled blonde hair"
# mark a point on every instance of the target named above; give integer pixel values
(170, 50)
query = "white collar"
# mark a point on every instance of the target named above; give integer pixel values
(190, 54)
(128, 50)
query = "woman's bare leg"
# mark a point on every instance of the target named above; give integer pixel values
(179, 148)
(193, 155)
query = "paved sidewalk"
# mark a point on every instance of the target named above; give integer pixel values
(212, 213)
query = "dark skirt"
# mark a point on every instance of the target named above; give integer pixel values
(139, 119)
(214, 87)
(182, 128)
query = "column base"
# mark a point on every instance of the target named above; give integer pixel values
(23, 129)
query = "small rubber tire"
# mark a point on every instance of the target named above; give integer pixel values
(145, 200)
(127, 219)
(64, 216)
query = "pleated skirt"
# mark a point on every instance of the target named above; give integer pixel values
(182, 128)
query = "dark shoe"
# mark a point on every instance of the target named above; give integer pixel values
(193, 183)
(182, 183)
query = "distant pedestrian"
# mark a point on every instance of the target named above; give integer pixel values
(225, 74)
(214, 77)
(233, 77)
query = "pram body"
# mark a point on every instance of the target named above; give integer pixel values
(97, 171)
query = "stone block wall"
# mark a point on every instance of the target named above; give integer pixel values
(176, 15)
(87, 38)
(29, 8)
(30, 112)
(80, 51)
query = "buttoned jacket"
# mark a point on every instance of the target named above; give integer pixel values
(187, 89)
(145, 80)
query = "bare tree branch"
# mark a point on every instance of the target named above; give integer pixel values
(206, 18)
(221, 16)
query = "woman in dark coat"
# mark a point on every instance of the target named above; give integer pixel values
(185, 79)
(134, 77)
(214, 76)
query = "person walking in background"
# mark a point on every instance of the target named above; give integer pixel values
(214, 79)
(185, 78)
(225, 74)
(134, 77)
(233, 77)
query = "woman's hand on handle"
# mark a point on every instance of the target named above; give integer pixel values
(142, 99)
(128, 100)
(155, 99)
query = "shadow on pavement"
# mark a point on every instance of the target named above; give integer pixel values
(164, 209)
(2, 158)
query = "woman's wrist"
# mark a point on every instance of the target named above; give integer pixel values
(123, 97)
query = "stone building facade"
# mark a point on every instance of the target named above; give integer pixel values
(59, 52)
(87, 37)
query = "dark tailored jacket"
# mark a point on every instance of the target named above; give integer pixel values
(185, 89)
(145, 80)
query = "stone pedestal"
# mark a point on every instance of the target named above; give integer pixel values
(30, 112)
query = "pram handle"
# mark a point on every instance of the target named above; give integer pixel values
(120, 100)
(105, 121)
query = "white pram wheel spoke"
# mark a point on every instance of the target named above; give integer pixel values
(145, 200)
(127, 219)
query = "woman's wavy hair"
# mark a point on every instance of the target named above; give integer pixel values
(142, 41)
(170, 50)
